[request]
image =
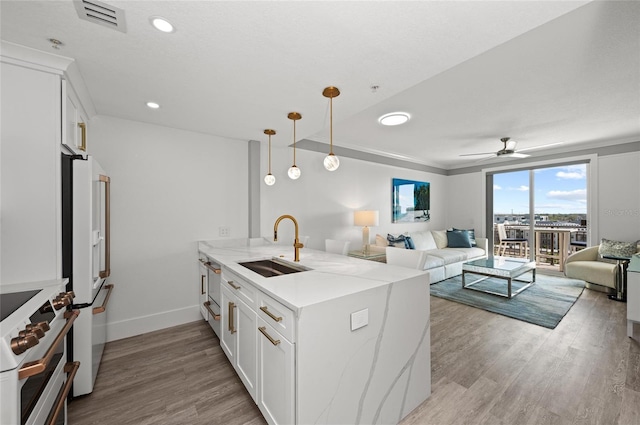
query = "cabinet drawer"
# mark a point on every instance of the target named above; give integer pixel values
(277, 315)
(240, 287)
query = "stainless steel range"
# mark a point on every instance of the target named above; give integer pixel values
(35, 377)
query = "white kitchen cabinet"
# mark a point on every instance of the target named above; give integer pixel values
(633, 300)
(74, 122)
(238, 340)
(276, 385)
(30, 176)
(203, 296)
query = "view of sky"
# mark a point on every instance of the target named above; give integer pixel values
(558, 190)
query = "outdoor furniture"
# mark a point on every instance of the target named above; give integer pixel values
(510, 243)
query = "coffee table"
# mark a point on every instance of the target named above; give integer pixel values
(501, 267)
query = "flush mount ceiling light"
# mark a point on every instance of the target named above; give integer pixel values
(161, 24)
(294, 172)
(153, 105)
(269, 179)
(394, 118)
(331, 162)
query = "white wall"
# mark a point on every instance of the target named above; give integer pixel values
(619, 197)
(169, 189)
(323, 202)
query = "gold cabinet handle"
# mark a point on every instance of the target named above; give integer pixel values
(107, 226)
(70, 369)
(39, 366)
(234, 286)
(270, 314)
(202, 284)
(263, 329)
(208, 265)
(232, 326)
(83, 128)
(207, 305)
(103, 307)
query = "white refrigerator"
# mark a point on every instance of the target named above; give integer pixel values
(86, 261)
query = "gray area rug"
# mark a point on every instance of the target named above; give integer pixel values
(543, 304)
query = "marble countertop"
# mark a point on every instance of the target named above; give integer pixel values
(330, 276)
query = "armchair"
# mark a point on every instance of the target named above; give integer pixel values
(584, 265)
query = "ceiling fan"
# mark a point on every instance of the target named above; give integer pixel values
(509, 150)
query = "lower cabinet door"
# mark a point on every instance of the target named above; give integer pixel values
(246, 355)
(228, 315)
(276, 384)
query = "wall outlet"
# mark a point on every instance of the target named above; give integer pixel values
(359, 319)
(224, 231)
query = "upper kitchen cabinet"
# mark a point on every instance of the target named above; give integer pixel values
(74, 121)
(33, 106)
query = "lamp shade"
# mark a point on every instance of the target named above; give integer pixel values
(365, 218)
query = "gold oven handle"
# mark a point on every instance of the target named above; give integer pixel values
(107, 226)
(263, 329)
(83, 128)
(213, 269)
(70, 369)
(38, 366)
(207, 305)
(103, 307)
(270, 314)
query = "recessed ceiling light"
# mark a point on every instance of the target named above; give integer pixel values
(153, 105)
(394, 118)
(161, 24)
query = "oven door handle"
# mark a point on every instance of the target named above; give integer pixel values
(70, 369)
(103, 307)
(38, 366)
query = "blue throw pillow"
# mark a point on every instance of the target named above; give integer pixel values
(408, 243)
(458, 239)
(397, 241)
(472, 236)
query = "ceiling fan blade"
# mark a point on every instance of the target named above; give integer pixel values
(519, 155)
(481, 153)
(539, 147)
(511, 145)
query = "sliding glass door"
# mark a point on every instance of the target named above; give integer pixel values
(545, 205)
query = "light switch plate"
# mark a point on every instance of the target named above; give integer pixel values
(359, 319)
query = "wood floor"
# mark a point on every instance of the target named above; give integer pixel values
(486, 369)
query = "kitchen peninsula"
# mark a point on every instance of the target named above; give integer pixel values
(346, 341)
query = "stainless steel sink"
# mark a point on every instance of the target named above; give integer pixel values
(271, 268)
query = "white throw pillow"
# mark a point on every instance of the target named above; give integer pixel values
(423, 240)
(381, 240)
(440, 236)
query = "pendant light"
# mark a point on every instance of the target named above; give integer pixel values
(294, 172)
(331, 162)
(269, 179)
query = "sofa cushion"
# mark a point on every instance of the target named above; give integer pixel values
(440, 236)
(472, 235)
(448, 255)
(431, 262)
(458, 239)
(470, 253)
(423, 240)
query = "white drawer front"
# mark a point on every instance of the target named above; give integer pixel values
(277, 315)
(241, 288)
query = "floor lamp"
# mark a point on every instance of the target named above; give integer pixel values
(365, 219)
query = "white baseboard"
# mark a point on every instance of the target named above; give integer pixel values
(153, 322)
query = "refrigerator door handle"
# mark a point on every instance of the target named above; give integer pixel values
(107, 226)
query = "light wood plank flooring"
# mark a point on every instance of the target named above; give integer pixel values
(486, 369)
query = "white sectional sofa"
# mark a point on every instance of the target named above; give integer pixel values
(442, 261)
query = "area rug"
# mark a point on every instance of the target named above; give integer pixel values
(543, 304)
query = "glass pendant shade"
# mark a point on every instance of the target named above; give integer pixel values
(294, 171)
(331, 162)
(269, 179)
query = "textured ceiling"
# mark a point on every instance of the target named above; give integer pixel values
(469, 72)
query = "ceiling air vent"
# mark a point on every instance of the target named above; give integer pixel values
(101, 13)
